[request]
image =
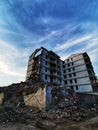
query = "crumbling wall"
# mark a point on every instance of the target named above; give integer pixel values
(33, 64)
(1, 98)
(36, 100)
(13, 97)
(87, 99)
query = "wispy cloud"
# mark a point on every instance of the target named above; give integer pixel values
(71, 43)
(13, 61)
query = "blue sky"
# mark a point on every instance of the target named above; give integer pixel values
(64, 26)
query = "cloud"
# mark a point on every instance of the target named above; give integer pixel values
(71, 43)
(94, 55)
(13, 62)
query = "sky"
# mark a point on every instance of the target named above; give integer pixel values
(63, 26)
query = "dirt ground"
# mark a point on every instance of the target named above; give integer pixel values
(91, 124)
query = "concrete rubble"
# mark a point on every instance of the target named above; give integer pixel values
(66, 109)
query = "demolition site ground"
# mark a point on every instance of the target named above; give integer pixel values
(57, 119)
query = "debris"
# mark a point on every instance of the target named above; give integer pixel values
(46, 124)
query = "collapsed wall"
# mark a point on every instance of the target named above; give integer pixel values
(15, 97)
(1, 98)
(36, 100)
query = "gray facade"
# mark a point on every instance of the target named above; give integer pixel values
(75, 72)
(50, 67)
(78, 73)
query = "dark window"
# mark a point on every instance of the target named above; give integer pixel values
(67, 60)
(58, 66)
(72, 63)
(58, 72)
(69, 75)
(51, 72)
(51, 79)
(70, 81)
(76, 87)
(75, 80)
(65, 82)
(46, 57)
(64, 76)
(46, 69)
(73, 69)
(52, 59)
(46, 62)
(68, 64)
(69, 70)
(71, 58)
(45, 77)
(64, 71)
(72, 87)
(63, 66)
(74, 74)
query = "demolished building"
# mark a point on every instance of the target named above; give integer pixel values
(75, 72)
(49, 79)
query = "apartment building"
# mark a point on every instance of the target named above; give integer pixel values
(47, 64)
(75, 72)
(78, 73)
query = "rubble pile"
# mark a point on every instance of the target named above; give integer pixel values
(64, 111)
(68, 112)
(20, 115)
(13, 108)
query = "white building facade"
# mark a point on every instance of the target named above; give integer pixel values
(78, 73)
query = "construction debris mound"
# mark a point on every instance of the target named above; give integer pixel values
(63, 112)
